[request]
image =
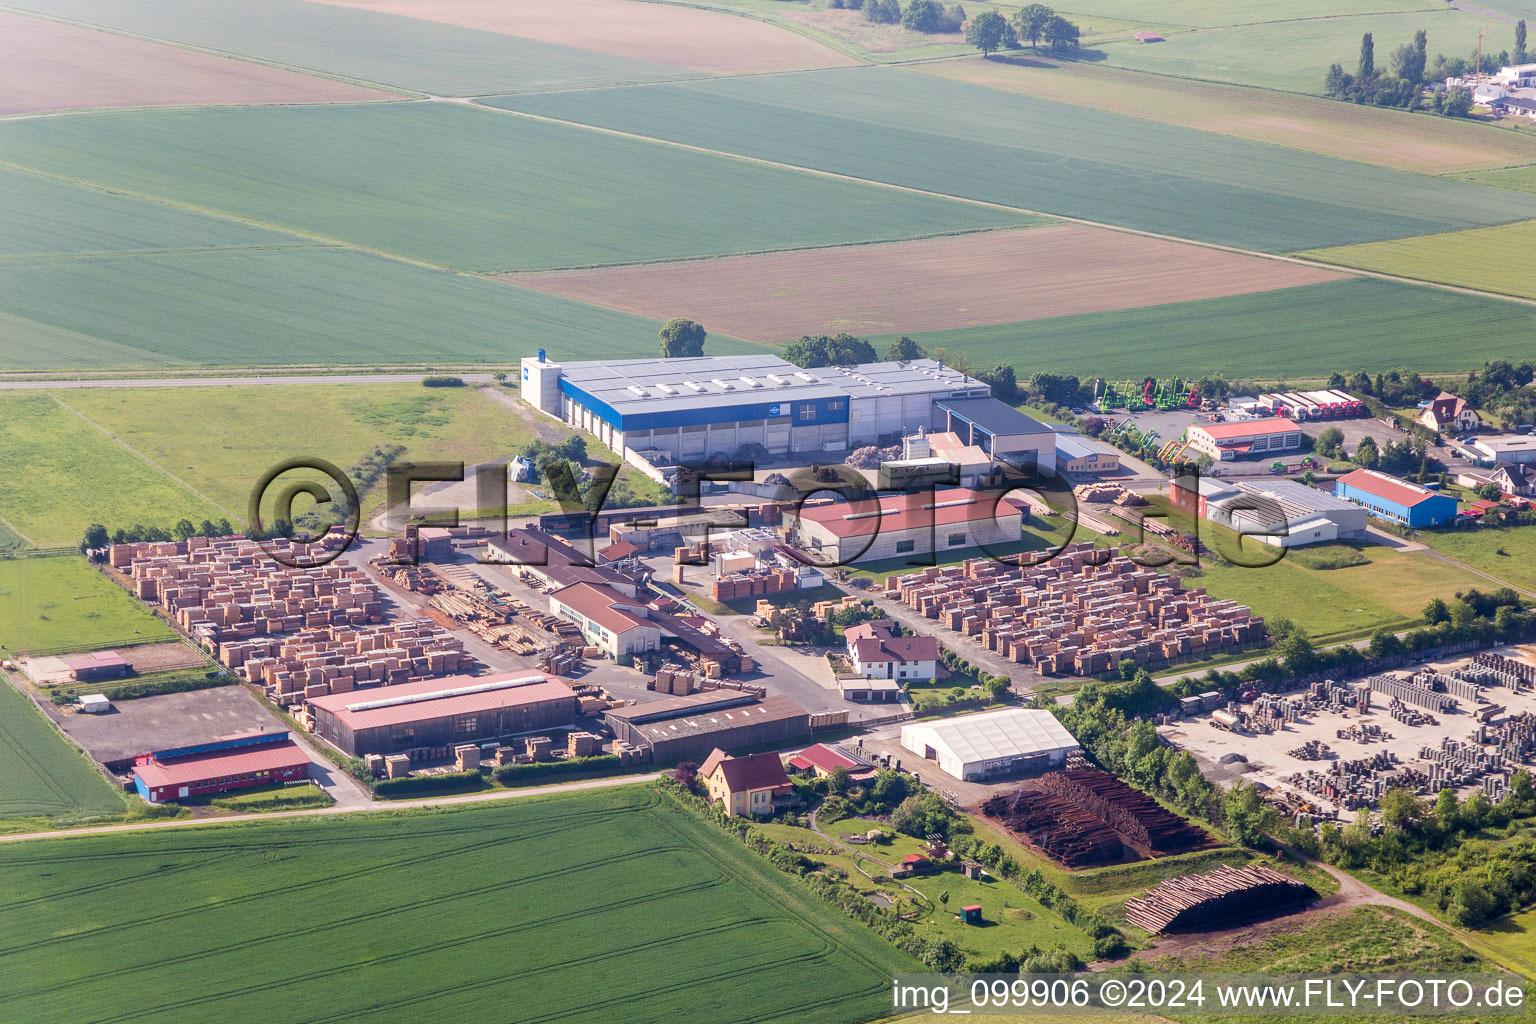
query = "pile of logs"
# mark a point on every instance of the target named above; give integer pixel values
(1198, 902)
(1057, 827)
(1138, 818)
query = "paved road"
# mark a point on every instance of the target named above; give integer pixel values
(370, 807)
(243, 381)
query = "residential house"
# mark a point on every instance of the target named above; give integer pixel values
(820, 760)
(1450, 415)
(876, 654)
(1514, 478)
(747, 786)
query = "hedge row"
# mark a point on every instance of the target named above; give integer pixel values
(410, 785)
(564, 766)
(146, 687)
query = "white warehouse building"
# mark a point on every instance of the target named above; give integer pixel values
(670, 410)
(992, 745)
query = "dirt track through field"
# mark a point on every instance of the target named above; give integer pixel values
(926, 285)
(686, 37)
(48, 66)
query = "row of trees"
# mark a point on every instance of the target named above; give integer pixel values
(919, 15)
(990, 31)
(97, 536)
(1410, 71)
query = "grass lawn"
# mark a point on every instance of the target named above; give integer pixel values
(1390, 138)
(62, 602)
(1389, 589)
(1454, 258)
(889, 125)
(1510, 941)
(222, 439)
(43, 779)
(1481, 547)
(620, 881)
(257, 799)
(1521, 179)
(1282, 334)
(57, 471)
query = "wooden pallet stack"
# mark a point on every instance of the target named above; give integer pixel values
(1213, 900)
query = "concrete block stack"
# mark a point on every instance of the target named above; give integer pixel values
(1410, 691)
(343, 658)
(1517, 675)
(1080, 613)
(229, 588)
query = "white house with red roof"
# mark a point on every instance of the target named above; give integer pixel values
(608, 619)
(877, 654)
(1225, 442)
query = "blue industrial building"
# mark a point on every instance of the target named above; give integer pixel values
(660, 412)
(1387, 497)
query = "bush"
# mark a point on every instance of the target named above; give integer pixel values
(442, 382)
(413, 785)
(509, 773)
(150, 686)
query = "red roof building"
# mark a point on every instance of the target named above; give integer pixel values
(439, 713)
(876, 654)
(239, 762)
(608, 619)
(868, 529)
(87, 668)
(822, 760)
(1225, 442)
(745, 785)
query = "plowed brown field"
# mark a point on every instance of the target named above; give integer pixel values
(49, 66)
(931, 284)
(686, 37)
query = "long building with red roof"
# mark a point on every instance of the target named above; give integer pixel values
(234, 762)
(1387, 497)
(950, 519)
(1244, 439)
(440, 713)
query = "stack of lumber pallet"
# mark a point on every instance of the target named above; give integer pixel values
(1213, 900)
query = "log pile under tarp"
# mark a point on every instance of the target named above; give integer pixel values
(1213, 900)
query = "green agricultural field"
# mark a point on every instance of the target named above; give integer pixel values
(1296, 332)
(1521, 179)
(1461, 258)
(222, 439)
(1293, 56)
(61, 602)
(1205, 14)
(477, 189)
(367, 46)
(1375, 135)
(889, 125)
(604, 906)
(42, 777)
(63, 474)
(286, 307)
(1506, 552)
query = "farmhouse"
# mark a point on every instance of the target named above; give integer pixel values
(234, 762)
(1225, 442)
(1448, 414)
(436, 714)
(876, 654)
(893, 526)
(993, 744)
(1518, 448)
(1387, 497)
(1280, 513)
(1000, 430)
(748, 785)
(692, 725)
(666, 411)
(608, 619)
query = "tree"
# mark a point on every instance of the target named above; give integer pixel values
(923, 16)
(821, 350)
(1490, 492)
(1366, 453)
(1435, 612)
(882, 12)
(904, 349)
(95, 537)
(1458, 103)
(1367, 57)
(1297, 652)
(1520, 41)
(1330, 441)
(1061, 35)
(500, 376)
(1384, 643)
(1400, 808)
(183, 529)
(681, 338)
(1031, 21)
(837, 782)
(944, 897)
(1337, 82)
(1244, 814)
(989, 32)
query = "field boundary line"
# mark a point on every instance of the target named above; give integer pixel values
(210, 51)
(12, 527)
(50, 257)
(130, 449)
(1123, 229)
